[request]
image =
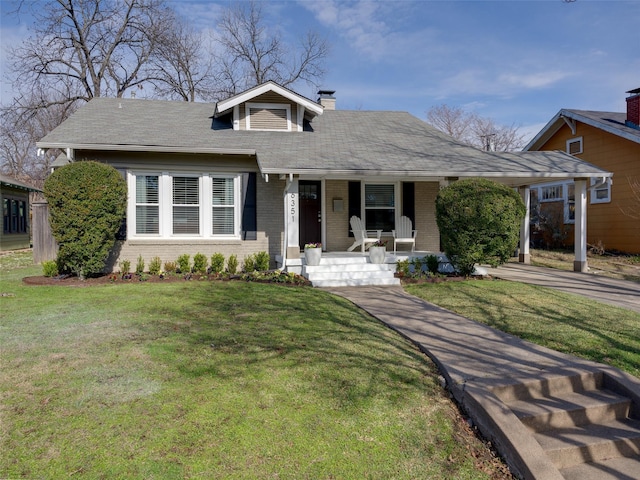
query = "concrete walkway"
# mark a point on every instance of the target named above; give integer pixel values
(476, 361)
(621, 293)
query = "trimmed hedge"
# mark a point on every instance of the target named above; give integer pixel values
(87, 204)
(479, 222)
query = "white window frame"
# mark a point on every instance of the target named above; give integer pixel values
(568, 203)
(363, 199)
(593, 195)
(267, 106)
(577, 140)
(557, 197)
(165, 201)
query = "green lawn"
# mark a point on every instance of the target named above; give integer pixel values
(216, 380)
(563, 322)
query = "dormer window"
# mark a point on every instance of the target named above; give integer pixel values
(268, 116)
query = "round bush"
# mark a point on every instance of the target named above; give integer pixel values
(87, 203)
(479, 222)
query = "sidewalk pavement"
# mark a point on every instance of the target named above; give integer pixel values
(476, 359)
(621, 293)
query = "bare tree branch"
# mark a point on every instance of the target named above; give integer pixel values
(474, 130)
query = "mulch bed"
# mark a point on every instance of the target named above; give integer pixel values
(74, 281)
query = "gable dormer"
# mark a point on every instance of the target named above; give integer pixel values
(269, 107)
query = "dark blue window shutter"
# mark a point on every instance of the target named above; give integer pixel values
(249, 210)
(409, 201)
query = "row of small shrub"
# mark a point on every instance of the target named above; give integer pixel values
(201, 264)
(415, 266)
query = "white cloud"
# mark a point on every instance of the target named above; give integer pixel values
(532, 80)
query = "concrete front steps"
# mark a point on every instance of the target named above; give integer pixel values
(353, 271)
(587, 424)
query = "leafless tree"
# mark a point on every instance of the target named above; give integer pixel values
(251, 54)
(183, 66)
(85, 49)
(475, 130)
(632, 208)
(18, 134)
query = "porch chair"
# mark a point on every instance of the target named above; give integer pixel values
(404, 233)
(362, 237)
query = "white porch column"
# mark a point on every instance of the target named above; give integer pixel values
(525, 227)
(292, 218)
(580, 242)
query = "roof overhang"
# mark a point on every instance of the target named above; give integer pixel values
(147, 148)
(309, 105)
(560, 119)
(513, 179)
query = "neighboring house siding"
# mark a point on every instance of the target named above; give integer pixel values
(14, 233)
(269, 207)
(606, 222)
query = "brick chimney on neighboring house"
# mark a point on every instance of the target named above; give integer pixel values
(326, 99)
(633, 108)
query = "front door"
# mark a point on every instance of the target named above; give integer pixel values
(310, 212)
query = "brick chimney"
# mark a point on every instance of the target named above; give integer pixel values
(633, 108)
(326, 99)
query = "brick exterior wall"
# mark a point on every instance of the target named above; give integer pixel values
(633, 109)
(428, 237)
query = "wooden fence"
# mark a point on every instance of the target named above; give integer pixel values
(45, 246)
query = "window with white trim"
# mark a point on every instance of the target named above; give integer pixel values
(223, 201)
(186, 205)
(570, 203)
(574, 146)
(602, 194)
(551, 193)
(380, 206)
(147, 211)
(177, 205)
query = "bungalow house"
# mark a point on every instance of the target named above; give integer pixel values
(16, 223)
(271, 170)
(609, 140)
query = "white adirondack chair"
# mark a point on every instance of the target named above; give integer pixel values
(404, 233)
(361, 235)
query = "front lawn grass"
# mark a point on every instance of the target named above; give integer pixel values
(561, 321)
(217, 380)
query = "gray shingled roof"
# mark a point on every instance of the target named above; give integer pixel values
(339, 143)
(12, 182)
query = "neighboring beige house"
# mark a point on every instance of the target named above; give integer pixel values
(611, 141)
(271, 170)
(16, 220)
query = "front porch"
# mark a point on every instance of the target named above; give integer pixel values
(342, 269)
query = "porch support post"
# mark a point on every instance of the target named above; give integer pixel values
(580, 241)
(525, 227)
(292, 219)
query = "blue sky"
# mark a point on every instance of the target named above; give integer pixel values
(518, 62)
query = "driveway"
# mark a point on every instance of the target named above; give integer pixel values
(621, 293)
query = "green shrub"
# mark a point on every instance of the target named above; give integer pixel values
(416, 262)
(155, 266)
(49, 268)
(87, 203)
(402, 267)
(170, 267)
(184, 263)
(479, 222)
(262, 261)
(140, 265)
(200, 263)
(432, 263)
(249, 264)
(232, 264)
(125, 267)
(217, 263)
